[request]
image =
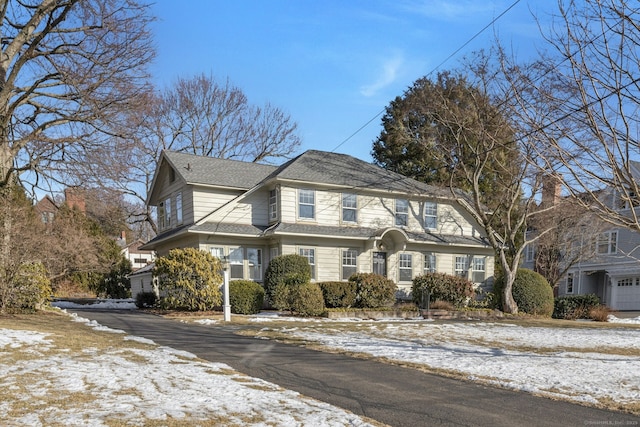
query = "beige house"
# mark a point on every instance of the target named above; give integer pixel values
(341, 213)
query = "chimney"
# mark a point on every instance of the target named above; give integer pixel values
(75, 199)
(551, 190)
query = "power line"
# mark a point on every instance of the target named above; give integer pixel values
(493, 21)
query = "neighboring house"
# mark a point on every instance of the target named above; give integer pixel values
(608, 264)
(343, 214)
(46, 209)
(139, 258)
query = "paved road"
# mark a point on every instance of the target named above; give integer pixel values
(390, 394)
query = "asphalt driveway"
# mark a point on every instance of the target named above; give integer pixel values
(390, 394)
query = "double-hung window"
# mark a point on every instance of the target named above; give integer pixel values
(349, 263)
(479, 269)
(430, 215)
(254, 258)
(236, 263)
(569, 283)
(218, 252)
(310, 255)
(402, 212)
(273, 205)
(607, 243)
(179, 208)
(306, 204)
(429, 263)
(460, 267)
(349, 207)
(406, 267)
(167, 212)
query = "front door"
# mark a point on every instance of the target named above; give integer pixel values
(380, 263)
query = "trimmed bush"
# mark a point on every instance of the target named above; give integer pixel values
(574, 306)
(531, 292)
(245, 296)
(338, 294)
(146, 299)
(30, 290)
(189, 279)
(291, 269)
(442, 287)
(373, 290)
(306, 299)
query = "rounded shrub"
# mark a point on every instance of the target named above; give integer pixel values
(289, 270)
(146, 299)
(245, 296)
(338, 294)
(189, 279)
(30, 288)
(531, 292)
(441, 287)
(306, 299)
(373, 290)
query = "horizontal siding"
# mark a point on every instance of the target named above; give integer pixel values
(206, 201)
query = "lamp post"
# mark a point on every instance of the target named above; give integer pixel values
(226, 307)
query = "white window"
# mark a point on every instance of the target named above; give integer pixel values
(530, 252)
(161, 216)
(349, 207)
(179, 208)
(405, 267)
(306, 204)
(273, 252)
(167, 213)
(254, 258)
(217, 252)
(349, 263)
(310, 255)
(569, 283)
(430, 215)
(607, 243)
(273, 205)
(479, 268)
(402, 212)
(460, 268)
(429, 263)
(236, 263)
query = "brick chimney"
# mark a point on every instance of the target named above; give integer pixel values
(75, 199)
(551, 190)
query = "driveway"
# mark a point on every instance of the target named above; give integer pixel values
(390, 394)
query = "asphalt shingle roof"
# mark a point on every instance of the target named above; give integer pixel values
(220, 172)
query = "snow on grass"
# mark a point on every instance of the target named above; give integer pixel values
(589, 365)
(131, 385)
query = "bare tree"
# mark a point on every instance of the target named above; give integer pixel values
(199, 116)
(590, 127)
(69, 69)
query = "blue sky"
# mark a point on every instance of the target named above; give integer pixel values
(333, 65)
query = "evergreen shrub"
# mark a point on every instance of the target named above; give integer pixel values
(338, 294)
(531, 292)
(442, 287)
(31, 288)
(306, 299)
(189, 279)
(574, 306)
(146, 299)
(283, 271)
(245, 296)
(373, 290)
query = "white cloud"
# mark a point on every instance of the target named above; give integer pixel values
(388, 75)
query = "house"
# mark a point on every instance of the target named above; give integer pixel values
(343, 214)
(138, 258)
(46, 209)
(599, 258)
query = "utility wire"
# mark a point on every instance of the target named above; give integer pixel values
(493, 21)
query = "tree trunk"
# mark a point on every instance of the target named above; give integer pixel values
(508, 303)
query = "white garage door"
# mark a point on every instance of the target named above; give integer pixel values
(626, 294)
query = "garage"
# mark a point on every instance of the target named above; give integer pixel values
(625, 294)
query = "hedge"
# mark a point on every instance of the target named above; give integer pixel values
(245, 296)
